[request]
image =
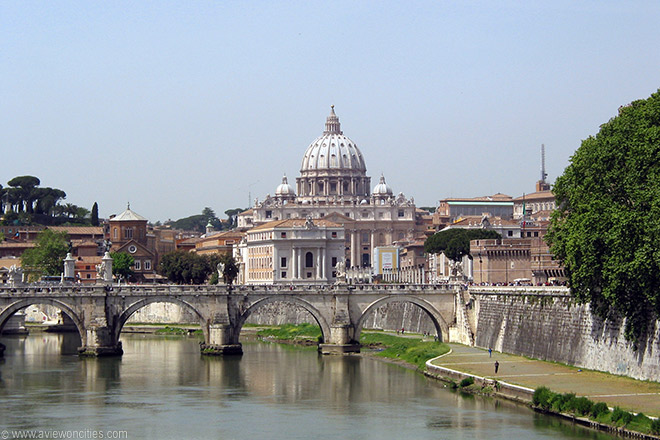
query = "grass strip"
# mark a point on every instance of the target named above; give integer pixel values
(411, 350)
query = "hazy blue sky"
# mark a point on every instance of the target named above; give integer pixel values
(175, 106)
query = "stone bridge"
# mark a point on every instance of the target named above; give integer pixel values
(99, 312)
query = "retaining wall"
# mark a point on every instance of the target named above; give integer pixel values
(555, 328)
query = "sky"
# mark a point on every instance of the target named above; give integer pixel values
(175, 106)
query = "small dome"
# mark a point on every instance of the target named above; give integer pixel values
(382, 189)
(333, 150)
(284, 189)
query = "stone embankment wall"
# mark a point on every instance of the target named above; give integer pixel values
(555, 328)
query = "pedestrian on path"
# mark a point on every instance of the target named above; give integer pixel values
(490, 352)
(497, 366)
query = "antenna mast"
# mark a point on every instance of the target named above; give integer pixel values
(543, 173)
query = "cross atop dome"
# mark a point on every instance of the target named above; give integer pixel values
(332, 125)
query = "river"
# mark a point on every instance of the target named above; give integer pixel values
(162, 388)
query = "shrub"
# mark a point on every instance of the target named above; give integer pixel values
(467, 382)
(562, 402)
(599, 408)
(543, 397)
(621, 416)
(655, 426)
(582, 406)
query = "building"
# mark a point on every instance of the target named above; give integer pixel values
(129, 233)
(505, 261)
(292, 251)
(333, 184)
(451, 209)
(218, 242)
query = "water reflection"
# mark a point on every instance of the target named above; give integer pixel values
(164, 388)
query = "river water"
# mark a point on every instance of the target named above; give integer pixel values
(162, 388)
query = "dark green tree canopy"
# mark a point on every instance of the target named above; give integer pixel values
(183, 267)
(455, 243)
(46, 258)
(95, 214)
(606, 230)
(122, 265)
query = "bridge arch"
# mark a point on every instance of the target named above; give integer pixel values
(137, 305)
(316, 314)
(438, 321)
(14, 307)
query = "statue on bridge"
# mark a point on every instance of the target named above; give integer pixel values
(15, 275)
(340, 270)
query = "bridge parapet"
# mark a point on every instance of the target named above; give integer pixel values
(520, 290)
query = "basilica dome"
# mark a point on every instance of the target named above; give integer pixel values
(284, 189)
(333, 150)
(382, 189)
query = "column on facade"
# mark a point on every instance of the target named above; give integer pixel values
(318, 263)
(373, 246)
(276, 264)
(294, 263)
(324, 263)
(354, 248)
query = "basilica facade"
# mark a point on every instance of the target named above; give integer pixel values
(333, 185)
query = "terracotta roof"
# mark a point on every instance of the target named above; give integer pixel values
(296, 223)
(84, 243)
(78, 230)
(17, 245)
(499, 197)
(248, 212)
(535, 196)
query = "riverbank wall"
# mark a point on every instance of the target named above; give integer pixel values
(554, 327)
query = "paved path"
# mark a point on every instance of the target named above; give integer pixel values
(629, 394)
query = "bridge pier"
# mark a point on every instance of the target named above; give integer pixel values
(100, 341)
(222, 341)
(340, 340)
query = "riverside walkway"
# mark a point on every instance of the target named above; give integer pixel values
(629, 394)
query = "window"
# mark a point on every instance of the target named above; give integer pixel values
(334, 261)
(147, 265)
(128, 233)
(536, 234)
(309, 260)
(333, 188)
(89, 275)
(401, 213)
(283, 262)
(283, 274)
(114, 233)
(136, 265)
(510, 233)
(269, 214)
(365, 237)
(282, 234)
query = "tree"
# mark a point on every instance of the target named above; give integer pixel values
(606, 230)
(46, 258)
(122, 265)
(232, 216)
(95, 214)
(183, 267)
(24, 190)
(455, 243)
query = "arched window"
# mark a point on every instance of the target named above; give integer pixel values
(309, 259)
